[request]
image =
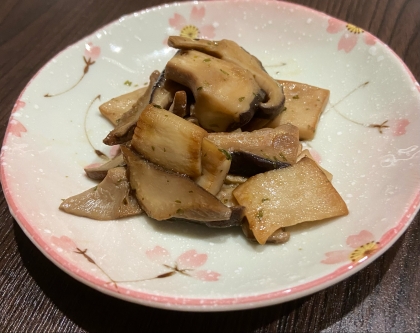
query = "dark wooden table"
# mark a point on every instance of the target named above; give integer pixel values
(36, 296)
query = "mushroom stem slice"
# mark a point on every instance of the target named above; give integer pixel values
(111, 199)
(117, 106)
(169, 141)
(124, 130)
(226, 95)
(164, 194)
(215, 164)
(303, 107)
(230, 51)
(276, 144)
(285, 197)
(100, 172)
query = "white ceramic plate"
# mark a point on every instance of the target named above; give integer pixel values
(368, 138)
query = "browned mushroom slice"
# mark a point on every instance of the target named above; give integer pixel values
(230, 51)
(123, 132)
(226, 95)
(179, 104)
(225, 195)
(116, 107)
(169, 141)
(164, 91)
(279, 236)
(246, 164)
(235, 220)
(111, 199)
(215, 164)
(276, 144)
(100, 172)
(285, 197)
(164, 194)
(304, 105)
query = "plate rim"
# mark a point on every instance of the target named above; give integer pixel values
(200, 303)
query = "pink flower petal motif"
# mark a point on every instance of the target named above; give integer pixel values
(399, 128)
(92, 52)
(335, 26)
(369, 39)
(178, 21)
(191, 259)
(197, 14)
(159, 254)
(18, 105)
(347, 42)
(64, 242)
(334, 257)
(360, 239)
(194, 25)
(16, 128)
(208, 31)
(205, 275)
(350, 36)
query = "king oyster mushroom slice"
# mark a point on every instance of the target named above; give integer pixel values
(164, 194)
(235, 220)
(124, 130)
(230, 51)
(100, 172)
(215, 164)
(117, 106)
(279, 236)
(247, 165)
(169, 141)
(164, 91)
(226, 95)
(111, 199)
(179, 104)
(261, 150)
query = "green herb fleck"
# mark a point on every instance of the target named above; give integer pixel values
(207, 60)
(296, 97)
(128, 83)
(153, 148)
(199, 88)
(178, 201)
(95, 188)
(241, 99)
(226, 153)
(284, 109)
(179, 211)
(224, 72)
(157, 106)
(265, 199)
(283, 157)
(259, 214)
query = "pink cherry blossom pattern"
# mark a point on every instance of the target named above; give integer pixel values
(186, 264)
(18, 105)
(399, 126)
(16, 128)
(91, 53)
(194, 26)
(350, 36)
(64, 243)
(361, 246)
